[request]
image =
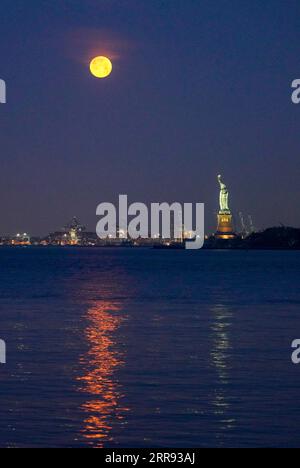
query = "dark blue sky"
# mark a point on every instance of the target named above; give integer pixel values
(199, 87)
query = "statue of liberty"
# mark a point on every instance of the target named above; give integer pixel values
(224, 196)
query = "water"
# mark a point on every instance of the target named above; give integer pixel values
(142, 348)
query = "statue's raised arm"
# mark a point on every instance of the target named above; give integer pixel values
(223, 186)
(224, 196)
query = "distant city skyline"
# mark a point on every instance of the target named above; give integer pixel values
(190, 96)
(241, 220)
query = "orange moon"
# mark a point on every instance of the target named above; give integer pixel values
(101, 67)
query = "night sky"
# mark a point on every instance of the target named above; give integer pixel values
(199, 87)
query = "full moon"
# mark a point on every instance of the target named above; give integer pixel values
(101, 67)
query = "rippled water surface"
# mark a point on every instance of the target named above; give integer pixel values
(142, 348)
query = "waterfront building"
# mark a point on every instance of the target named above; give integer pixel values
(20, 240)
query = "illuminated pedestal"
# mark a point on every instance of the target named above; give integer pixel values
(225, 227)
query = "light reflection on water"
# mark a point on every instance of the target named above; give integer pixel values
(98, 381)
(195, 345)
(220, 358)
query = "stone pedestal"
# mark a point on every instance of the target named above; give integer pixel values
(225, 227)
